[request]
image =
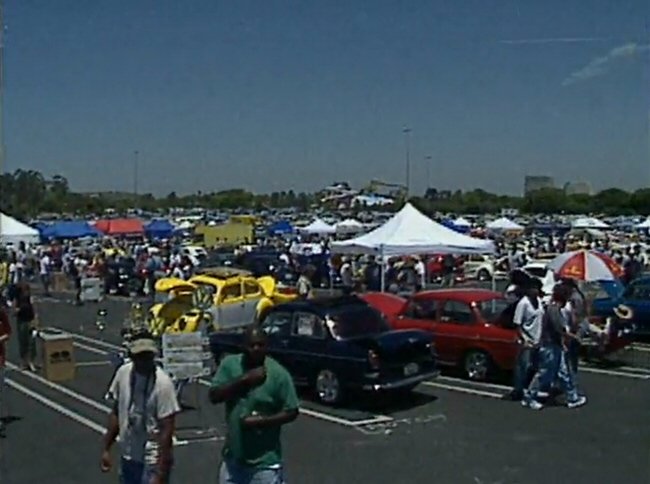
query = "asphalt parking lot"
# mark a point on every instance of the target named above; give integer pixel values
(449, 431)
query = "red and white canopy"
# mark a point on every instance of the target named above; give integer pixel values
(586, 265)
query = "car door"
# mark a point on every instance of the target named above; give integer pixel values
(455, 331)
(309, 338)
(278, 326)
(253, 294)
(230, 305)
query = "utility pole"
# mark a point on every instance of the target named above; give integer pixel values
(136, 155)
(407, 142)
(3, 194)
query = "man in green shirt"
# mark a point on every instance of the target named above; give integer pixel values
(260, 397)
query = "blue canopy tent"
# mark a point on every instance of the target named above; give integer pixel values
(451, 225)
(159, 229)
(69, 229)
(282, 227)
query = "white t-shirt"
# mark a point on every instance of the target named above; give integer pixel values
(45, 265)
(138, 439)
(346, 274)
(529, 320)
(420, 269)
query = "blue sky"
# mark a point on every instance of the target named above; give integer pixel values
(272, 95)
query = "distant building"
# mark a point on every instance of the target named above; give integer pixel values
(433, 194)
(533, 183)
(578, 188)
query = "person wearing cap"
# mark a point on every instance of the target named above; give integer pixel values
(143, 416)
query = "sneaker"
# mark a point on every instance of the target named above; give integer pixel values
(532, 404)
(32, 367)
(579, 402)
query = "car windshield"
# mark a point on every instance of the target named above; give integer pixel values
(491, 309)
(354, 320)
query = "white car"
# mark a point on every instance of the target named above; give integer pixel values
(482, 268)
(540, 270)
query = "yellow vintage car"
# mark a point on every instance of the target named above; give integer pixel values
(235, 298)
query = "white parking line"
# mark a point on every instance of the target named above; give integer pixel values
(60, 388)
(91, 363)
(88, 339)
(331, 418)
(91, 349)
(636, 369)
(641, 347)
(471, 391)
(86, 422)
(477, 383)
(600, 371)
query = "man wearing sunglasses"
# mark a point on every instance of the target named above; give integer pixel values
(143, 416)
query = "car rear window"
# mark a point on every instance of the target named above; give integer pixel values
(354, 320)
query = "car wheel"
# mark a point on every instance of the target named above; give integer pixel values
(483, 275)
(328, 387)
(477, 365)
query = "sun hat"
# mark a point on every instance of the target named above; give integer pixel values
(623, 312)
(141, 345)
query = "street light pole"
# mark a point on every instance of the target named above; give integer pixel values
(427, 161)
(136, 155)
(407, 141)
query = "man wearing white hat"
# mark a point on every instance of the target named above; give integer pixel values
(143, 415)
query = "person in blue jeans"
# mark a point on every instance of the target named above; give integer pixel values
(528, 316)
(143, 416)
(552, 360)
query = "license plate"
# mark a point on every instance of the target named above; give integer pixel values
(411, 369)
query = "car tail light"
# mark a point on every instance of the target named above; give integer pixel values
(373, 359)
(432, 349)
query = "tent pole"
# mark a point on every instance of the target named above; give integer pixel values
(382, 268)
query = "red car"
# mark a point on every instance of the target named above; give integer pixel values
(466, 323)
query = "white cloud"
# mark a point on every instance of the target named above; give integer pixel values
(601, 65)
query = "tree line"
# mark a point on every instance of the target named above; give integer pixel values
(28, 194)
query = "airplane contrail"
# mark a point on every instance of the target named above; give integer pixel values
(553, 40)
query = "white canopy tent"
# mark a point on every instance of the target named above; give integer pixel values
(410, 232)
(589, 223)
(349, 226)
(13, 232)
(504, 224)
(643, 225)
(318, 226)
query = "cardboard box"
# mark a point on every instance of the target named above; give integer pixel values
(58, 357)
